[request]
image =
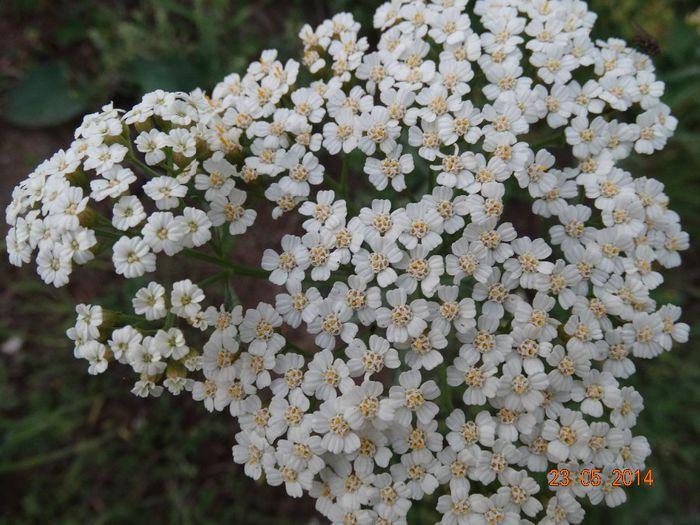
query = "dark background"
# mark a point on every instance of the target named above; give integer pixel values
(80, 449)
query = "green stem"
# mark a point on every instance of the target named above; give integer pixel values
(230, 297)
(548, 140)
(131, 318)
(431, 181)
(103, 233)
(340, 193)
(234, 268)
(333, 184)
(204, 283)
(169, 160)
(126, 135)
(145, 167)
(217, 241)
(169, 321)
(54, 455)
(344, 176)
(445, 398)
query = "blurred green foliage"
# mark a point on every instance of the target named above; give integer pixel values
(75, 449)
(122, 49)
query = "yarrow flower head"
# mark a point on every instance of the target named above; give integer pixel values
(425, 339)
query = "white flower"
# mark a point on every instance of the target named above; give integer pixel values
(422, 226)
(451, 312)
(467, 260)
(258, 328)
(326, 212)
(417, 474)
(377, 263)
(88, 320)
(170, 343)
(390, 169)
(529, 262)
(346, 238)
(185, 298)
(378, 129)
(298, 304)
(450, 26)
(219, 180)
(165, 191)
(321, 256)
(495, 291)
(289, 416)
(229, 209)
(127, 213)
(151, 143)
(522, 391)
(304, 170)
(94, 353)
(643, 334)
(586, 138)
(113, 183)
(164, 233)
(464, 434)
(451, 209)
(435, 101)
(403, 319)
(344, 133)
(132, 257)
(462, 124)
(536, 316)
(413, 396)
(54, 264)
(197, 227)
(381, 221)
(672, 330)
(598, 389)
(102, 157)
(325, 375)
(150, 301)
(218, 358)
(426, 138)
(420, 270)
(290, 264)
(249, 452)
(456, 507)
(64, 211)
(505, 119)
(332, 320)
(124, 342)
(372, 360)
(146, 359)
(454, 170)
(425, 350)
(481, 385)
(237, 395)
(330, 421)
(487, 206)
(566, 438)
(563, 509)
(280, 469)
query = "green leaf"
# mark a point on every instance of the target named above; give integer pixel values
(681, 42)
(169, 74)
(42, 98)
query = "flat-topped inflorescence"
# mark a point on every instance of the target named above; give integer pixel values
(452, 354)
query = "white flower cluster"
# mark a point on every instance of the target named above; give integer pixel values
(450, 355)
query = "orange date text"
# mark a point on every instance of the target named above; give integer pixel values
(595, 477)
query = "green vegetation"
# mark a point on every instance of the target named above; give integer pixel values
(75, 449)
